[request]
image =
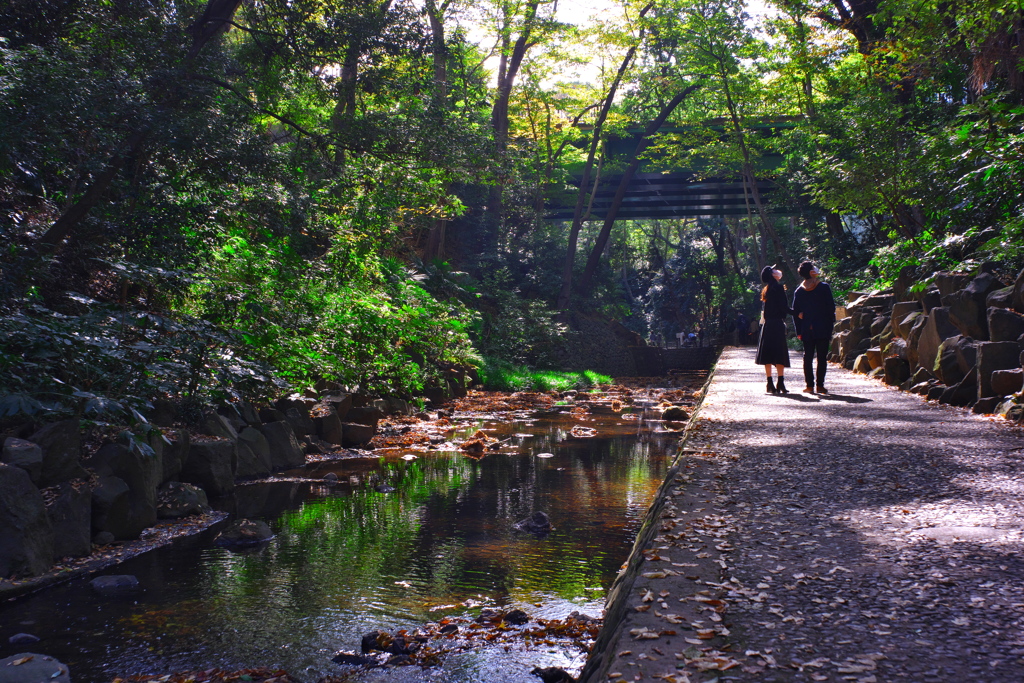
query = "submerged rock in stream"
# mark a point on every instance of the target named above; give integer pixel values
(244, 532)
(29, 667)
(538, 523)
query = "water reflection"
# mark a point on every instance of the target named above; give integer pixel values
(348, 559)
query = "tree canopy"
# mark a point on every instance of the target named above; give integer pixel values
(202, 197)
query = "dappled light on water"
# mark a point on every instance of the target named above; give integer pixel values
(348, 559)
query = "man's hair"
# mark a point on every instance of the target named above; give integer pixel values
(805, 269)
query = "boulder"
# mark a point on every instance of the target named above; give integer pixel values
(176, 499)
(907, 322)
(986, 406)
(963, 393)
(300, 421)
(142, 474)
(921, 388)
(211, 466)
(947, 283)
(935, 392)
(877, 373)
(967, 308)
(994, 356)
(537, 523)
(115, 584)
(367, 415)
(1018, 293)
(70, 516)
(61, 446)
(356, 434)
(285, 452)
(1004, 324)
(248, 413)
(862, 364)
(897, 347)
(175, 454)
(244, 532)
(249, 465)
(675, 414)
(269, 414)
(843, 325)
(229, 411)
(340, 402)
(905, 281)
(163, 414)
(897, 371)
(24, 454)
(900, 311)
(111, 508)
(393, 406)
(1006, 382)
(215, 424)
(913, 338)
(937, 328)
(931, 299)
(30, 667)
(23, 639)
(956, 357)
(921, 375)
(26, 536)
(252, 439)
(874, 356)
(878, 324)
(327, 424)
(1001, 298)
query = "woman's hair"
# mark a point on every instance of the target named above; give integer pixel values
(768, 279)
(805, 269)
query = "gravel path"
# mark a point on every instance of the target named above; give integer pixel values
(861, 536)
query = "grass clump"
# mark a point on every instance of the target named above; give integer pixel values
(499, 375)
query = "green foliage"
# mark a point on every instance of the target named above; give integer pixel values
(106, 364)
(500, 375)
(516, 329)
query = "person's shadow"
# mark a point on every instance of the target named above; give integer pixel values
(844, 399)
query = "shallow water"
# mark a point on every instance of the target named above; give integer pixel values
(347, 560)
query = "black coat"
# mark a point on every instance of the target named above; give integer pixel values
(775, 305)
(771, 347)
(819, 311)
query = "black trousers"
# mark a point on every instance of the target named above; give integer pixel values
(819, 346)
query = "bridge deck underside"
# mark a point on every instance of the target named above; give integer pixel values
(659, 195)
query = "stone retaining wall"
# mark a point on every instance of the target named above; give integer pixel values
(960, 341)
(58, 500)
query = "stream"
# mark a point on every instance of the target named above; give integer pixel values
(348, 559)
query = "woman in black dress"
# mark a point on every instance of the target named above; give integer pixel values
(814, 312)
(771, 348)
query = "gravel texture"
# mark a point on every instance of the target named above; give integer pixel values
(862, 536)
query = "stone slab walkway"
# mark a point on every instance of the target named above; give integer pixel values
(861, 536)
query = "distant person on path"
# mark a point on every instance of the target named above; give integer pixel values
(742, 329)
(771, 348)
(814, 312)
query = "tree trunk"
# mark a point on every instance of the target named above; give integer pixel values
(587, 280)
(62, 227)
(578, 215)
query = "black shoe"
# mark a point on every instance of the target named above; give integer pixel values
(771, 387)
(781, 386)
